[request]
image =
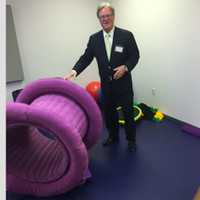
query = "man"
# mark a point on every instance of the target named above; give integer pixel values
(117, 54)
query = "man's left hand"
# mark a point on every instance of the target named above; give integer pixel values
(119, 71)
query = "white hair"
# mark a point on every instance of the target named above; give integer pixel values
(105, 5)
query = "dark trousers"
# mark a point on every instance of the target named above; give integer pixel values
(111, 102)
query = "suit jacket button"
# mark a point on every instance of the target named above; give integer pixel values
(109, 67)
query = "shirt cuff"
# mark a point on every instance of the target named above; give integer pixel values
(126, 68)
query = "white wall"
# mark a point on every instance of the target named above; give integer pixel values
(167, 33)
(51, 37)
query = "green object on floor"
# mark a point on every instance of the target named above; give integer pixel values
(136, 117)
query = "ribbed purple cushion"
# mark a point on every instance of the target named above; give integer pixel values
(44, 160)
(60, 106)
(49, 130)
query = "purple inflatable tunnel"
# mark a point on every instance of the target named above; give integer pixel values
(50, 129)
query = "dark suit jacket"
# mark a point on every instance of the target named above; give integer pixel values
(124, 52)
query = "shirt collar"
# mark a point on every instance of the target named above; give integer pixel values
(111, 32)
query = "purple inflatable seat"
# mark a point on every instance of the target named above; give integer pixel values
(193, 130)
(50, 129)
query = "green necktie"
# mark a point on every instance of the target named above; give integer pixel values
(108, 45)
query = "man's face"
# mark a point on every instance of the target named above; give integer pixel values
(106, 19)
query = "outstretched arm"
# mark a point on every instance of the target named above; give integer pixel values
(83, 62)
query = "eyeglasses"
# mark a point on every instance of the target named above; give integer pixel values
(105, 16)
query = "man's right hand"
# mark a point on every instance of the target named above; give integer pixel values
(71, 76)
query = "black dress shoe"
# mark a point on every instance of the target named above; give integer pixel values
(110, 141)
(131, 146)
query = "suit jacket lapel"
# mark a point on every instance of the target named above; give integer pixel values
(114, 43)
(102, 47)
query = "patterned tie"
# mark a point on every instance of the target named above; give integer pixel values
(108, 45)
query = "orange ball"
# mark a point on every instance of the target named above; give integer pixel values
(93, 88)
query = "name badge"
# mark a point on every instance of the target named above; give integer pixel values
(119, 49)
